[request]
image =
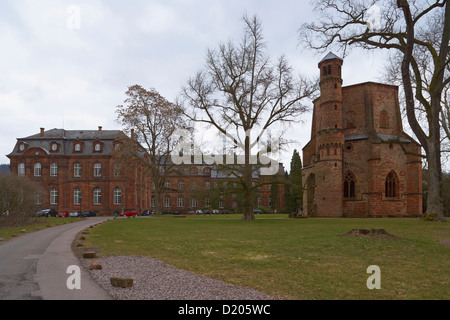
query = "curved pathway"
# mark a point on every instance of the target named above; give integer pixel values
(35, 265)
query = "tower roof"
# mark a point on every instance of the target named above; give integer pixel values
(330, 56)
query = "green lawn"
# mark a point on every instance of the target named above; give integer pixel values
(33, 225)
(292, 258)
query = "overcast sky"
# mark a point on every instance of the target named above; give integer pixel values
(58, 71)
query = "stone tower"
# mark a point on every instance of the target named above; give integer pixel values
(330, 138)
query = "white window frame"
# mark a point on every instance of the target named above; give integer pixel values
(53, 196)
(97, 169)
(77, 170)
(53, 169)
(97, 196)
(21, 170)
(37, 169)
(77, 196)
(117, 196)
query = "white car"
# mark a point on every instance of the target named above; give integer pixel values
(74, 214)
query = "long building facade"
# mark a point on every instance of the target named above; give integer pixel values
(359, 162)
(78, 172)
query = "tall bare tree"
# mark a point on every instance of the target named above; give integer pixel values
(404, 26)
(151, 120)
(242, 93)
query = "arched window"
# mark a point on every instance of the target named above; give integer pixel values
(324, 71)
(97, 196)
(53, 170)
(37, 170)
(391, 185)
(77, 196)
(117, 196)
(180, 202)
(167, 202)
(349, 185)
(329, 69)
(180, 185)
(384, 119)
(21, 169)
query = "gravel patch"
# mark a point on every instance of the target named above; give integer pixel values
(156, 280)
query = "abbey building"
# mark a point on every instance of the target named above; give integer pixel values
(359, 161)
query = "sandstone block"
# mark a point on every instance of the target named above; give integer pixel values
(121, 282)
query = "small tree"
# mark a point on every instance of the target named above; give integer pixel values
(151, 121)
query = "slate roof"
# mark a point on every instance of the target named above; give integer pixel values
(330, 56)
(66, 139)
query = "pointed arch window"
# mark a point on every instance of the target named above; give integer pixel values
(349, 185)
(391, 185)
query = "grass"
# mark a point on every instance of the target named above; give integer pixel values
(292, 258)
(34, 225)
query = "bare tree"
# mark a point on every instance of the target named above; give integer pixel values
(242, 93)
(404, 26)
(18, 198)
(151, 121)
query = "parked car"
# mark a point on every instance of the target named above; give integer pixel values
(129, 213)
(74, 214)
(88, 214)
(199, 212)
(63, 214)
(146, 213)
(215, 211)
(47, 213)
(257, 211)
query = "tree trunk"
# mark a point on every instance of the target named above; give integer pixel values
(434, 201)
(248, 190)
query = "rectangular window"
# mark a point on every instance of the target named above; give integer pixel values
(53, 170)
(152, 202)
(97, 196)
(117, 196)
(77, 170)
(53, 196)
(77, 196)
(97, 170)
(21, 170)
(167, 202)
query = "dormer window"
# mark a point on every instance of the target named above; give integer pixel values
(97, 147)
(54, 147)
(22, 147)
(77, 146)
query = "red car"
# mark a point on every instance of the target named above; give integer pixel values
(129, 213)
(63, 214)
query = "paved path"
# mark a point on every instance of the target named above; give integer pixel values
(34, 266)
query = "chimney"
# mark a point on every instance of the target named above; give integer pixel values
(100, 129)
(42, 132)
